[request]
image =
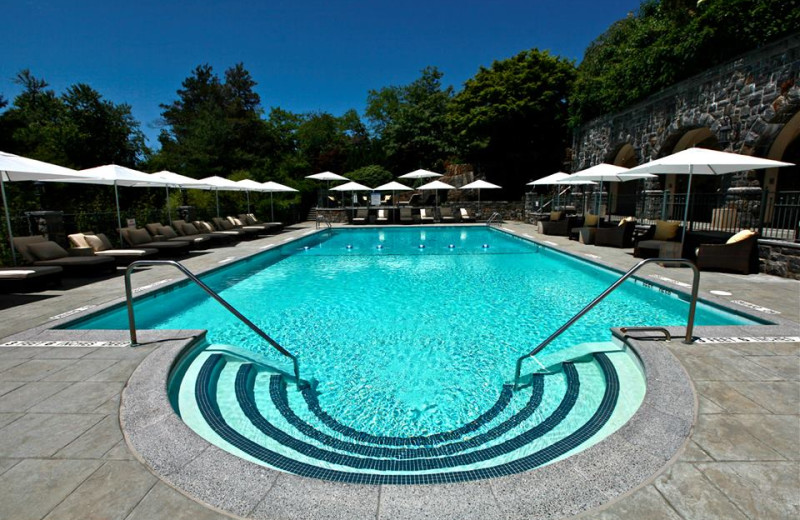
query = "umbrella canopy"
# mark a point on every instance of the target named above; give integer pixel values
(480, 185)
(420, 174)
(436, 185)
(701, 161)
(605, 172)
(351, 186)
(217, 183)
(550, 180)
(327, 176)
(393, 186)
(17, 168)
(250, 185)
(274, 187)
(174, 180)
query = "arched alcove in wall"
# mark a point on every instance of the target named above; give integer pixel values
(785, 147)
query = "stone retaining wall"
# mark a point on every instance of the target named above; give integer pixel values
(779, 258)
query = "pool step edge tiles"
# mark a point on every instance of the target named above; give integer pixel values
(442, 457)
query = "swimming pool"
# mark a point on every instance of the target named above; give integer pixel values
(408, 348)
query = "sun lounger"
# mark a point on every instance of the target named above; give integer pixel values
(362, 215)
(240, 224)
(168, 233)
(226, 225)
(383, 216)
(38, 251)
(99, 245)
(465, 215)
(405, 215)
(250, 219)
(186, 229)
(446, 214)
(208, 227)
(425, 215)
(617, 236)
(138, 238)
(29, 278)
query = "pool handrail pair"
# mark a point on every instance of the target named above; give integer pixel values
(324, 220)
(210, 292)
(689, 322)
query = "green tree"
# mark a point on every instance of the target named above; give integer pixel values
(372, 175)
(511, 118)
(410, 122)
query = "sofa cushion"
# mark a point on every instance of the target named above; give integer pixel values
(168, 232)
(78, 240)
(666, 230)
(47, 251)
(740, 236)
(138, 236)
(555, 215)
(590, 220)
(189, 229)
(98, 242)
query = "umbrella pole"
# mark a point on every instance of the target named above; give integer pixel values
(248, 200)
(169, 210)
(119, 219)
(8, 220)
(271, 208)
(216, 195)
(686, 209)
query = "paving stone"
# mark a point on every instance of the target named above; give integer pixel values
(726, 398)
(36, 369)
(724, 438)
(164, 502)
(694, 453)
(6, 464)
(707, 406)
(777, 397)
(119, 371)
(32, 488)
(7, 386)
(786, 367)
(78, 397)
(646, 503)
(95, 442)
(42, 435)
(321, 500)
(27, 395)
(779, 432)
(80, 370)
(468, 500)
(7, 418)
(6, 363)
(109, 407)
(102, 496)
(120, 451)
(693, 496)
(62, 352)
(761, 490)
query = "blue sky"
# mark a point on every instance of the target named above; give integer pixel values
(306, 55)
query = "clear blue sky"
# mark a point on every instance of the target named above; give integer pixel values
(306, 55)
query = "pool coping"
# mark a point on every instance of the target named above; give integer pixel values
(341, 500)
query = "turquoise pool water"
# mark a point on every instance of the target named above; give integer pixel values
(405, 340)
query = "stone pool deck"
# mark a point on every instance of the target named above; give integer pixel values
(62, 453)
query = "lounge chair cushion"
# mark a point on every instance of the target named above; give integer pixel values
(139, 236)
(189, 229)
(168, 232)
(590, 220)
(98, 242)
(154, 228)
(626, 220)
(47, 251)
(78, 240)
(554, 215)
(666, 230)
(740, 236)
(28, 272)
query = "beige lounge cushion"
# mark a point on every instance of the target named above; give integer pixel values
(31, 272)
(666, 230)
(740, 236)
(139, 236)
(154, 228)
(465, 213)
(21, 245)
(626, 220)
(47, 251)
(78, 240)
(590, 220)
(204, 226)
(554, 215)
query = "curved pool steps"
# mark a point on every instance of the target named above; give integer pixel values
(280, 438)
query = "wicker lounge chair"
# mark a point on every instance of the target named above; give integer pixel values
(739, 254)
(186, 229)
(446, 214)
(29, 278)
(406, 216)
(561, 227)
(466, 216)
(383, 216)
(618, 236)
(89, 244)
(138, 238)
(168, 233)
(361, 217)
(425, 216)
(41, 252)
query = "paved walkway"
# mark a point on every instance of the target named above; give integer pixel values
(62, 454)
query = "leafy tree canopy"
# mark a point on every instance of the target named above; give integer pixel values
(372, 175)
(668, 41)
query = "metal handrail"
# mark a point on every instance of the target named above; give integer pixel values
(323, 218)
(612, 287)
(662, 330)
(210, 292)
(492, 217)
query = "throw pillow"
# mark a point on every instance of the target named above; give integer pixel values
(666, 230)
(167, 231)
(590, 220)
(138, 236)
(47, 251)
(555, 215)
(189, 229)
(740, 236)
(95, 243)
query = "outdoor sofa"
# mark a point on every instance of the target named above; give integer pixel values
(138, 238)
(39, 251)
(29, 278)
(616, 236)
(89, 243)
(739, 254)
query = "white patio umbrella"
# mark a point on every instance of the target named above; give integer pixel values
(551, 180)
(605, 172)
(394, 187)
(569, 181)
(115, 175)
(176, 180)
(701, 161)
(327, 176)
(275, 187)
(420, 174)
(217, 183)
(15, 168)
(436, 185)
(353, 187)
(250, 185)
(480, 185)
